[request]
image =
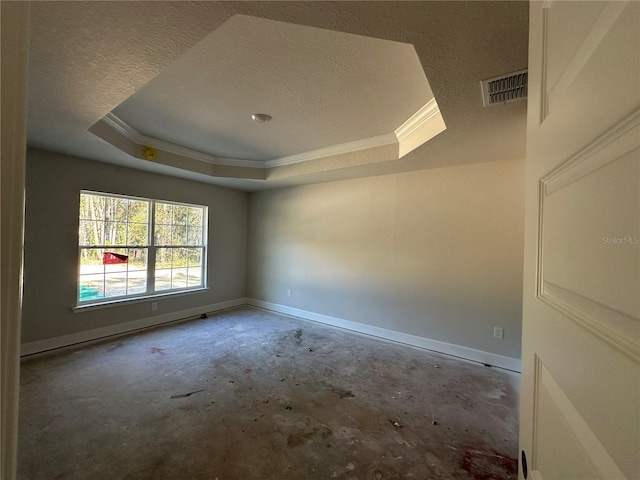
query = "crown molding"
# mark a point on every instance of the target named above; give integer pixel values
(122, 128)
(417, 120)
(333, 150)
(422, 116)
(132, 134)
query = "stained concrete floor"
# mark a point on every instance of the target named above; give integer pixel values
(248, 394)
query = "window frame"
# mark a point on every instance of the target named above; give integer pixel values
(151, 249)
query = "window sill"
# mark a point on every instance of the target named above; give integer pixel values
(131, 301)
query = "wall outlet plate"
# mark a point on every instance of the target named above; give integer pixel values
(498, 332)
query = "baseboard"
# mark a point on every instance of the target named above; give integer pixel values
(62, 341)
(468, 353)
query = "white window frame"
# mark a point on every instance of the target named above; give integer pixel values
(151, 249)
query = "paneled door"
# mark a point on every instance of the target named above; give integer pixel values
(580, 407)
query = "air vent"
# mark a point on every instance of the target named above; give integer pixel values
(505, 88)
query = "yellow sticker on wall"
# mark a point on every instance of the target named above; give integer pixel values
(150, 153)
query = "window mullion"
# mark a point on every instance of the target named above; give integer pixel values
(151, 253)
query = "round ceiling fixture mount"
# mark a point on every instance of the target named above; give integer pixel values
(260, 117)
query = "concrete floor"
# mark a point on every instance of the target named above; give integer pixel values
(248, 394)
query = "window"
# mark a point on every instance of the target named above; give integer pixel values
(133, 247)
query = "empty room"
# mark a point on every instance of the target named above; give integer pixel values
(312, 240)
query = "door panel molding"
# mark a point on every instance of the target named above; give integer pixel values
(616, 327)
(599, 319)
(550, 94)
(608, 147)
(579, 431)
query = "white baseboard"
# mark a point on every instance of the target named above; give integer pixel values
(468, 353)
(40, 346)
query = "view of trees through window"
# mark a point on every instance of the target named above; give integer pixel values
(133, 246)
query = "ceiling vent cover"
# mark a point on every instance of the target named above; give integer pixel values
(505, 88)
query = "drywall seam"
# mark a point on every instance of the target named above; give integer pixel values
(40, 346)
(468, 353)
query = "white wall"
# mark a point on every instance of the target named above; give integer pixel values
(53, 189)
(435, 253)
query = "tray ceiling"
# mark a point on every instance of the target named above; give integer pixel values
(343, 81)
(327, 93)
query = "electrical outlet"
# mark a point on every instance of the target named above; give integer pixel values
(498, 332)
(154, 306)
(289, 293)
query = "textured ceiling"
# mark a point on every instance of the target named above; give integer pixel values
(320, 86)
(89, 57)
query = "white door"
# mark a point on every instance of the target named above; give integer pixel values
(580, 408)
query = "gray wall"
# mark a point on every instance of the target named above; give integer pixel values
(53, 184)
(435, 253)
